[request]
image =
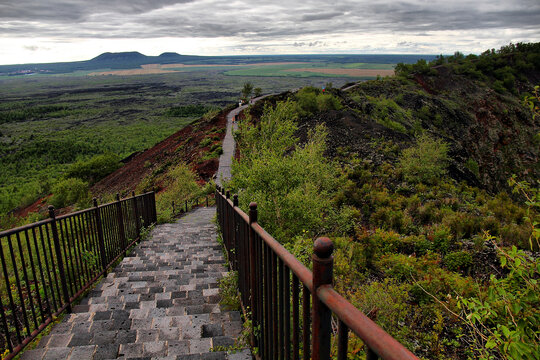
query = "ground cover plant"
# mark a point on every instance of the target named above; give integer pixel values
(444, 257)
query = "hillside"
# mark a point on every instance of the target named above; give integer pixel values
(491, 134)
(197, 145)
(412, 178)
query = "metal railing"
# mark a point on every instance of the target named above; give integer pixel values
(277, 290)
(182, 207)
(48, 265)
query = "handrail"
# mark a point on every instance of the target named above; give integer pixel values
(46, 266)
(270, 282)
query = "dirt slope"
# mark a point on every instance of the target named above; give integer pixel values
(182, 146)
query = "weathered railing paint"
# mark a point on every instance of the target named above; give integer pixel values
(49, 264)
(271, 280)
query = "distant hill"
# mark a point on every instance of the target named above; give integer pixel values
(120, 57)
(134, 59)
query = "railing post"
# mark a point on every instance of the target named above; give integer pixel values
(252, 259)
(154, 211)
(186, 206)
(101, 241)
(323, 264)
(173, 209)
(120, 220)
(56, 241)
(136, 214)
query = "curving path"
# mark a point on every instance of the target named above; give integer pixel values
(229, 145)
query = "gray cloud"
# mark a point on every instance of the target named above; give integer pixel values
(255, 22)
(321, 16)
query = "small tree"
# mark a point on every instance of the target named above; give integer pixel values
(247, 90)
(257, 92)
(426, 161)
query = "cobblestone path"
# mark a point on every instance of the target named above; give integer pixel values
(160, 302)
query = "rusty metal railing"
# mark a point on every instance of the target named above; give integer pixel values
(181, 207)
(291, 306)
(48, 265)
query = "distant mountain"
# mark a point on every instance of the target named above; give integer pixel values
(134, 59)
(121, 57)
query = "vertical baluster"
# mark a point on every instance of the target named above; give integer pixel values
(274, 300)
(252, 266)
(54, 268)
(281, 310)
(68, 260)
(287, 314)
(371, 355)
(260, 293)
(343, 340)
(306, 315)
(101, 242)
(75, 253)
(59, 261)
(5, 325)
(8, 290)
(267, 320)
(136, 215)
(48, 272)
(27, 282)
(121, 230)
(83, 245)
(296, 317)
(88, 222)
(34, 275)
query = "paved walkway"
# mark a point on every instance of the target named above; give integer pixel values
(160, 302)
(225, 159)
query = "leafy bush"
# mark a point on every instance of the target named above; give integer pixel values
(94, 169)
(310, 100)
(292, 184)
(69, 192)
(426, 161)
(458, 261)
(505, 320)
(180, 185)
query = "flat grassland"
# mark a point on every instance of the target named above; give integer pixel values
(282, 69)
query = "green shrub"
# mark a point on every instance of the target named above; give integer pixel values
(180, 185)
(292, 184)
(69, 192)
(426, 161)
(505, 319)
(94, 169)
(458, 261)
(205, 142)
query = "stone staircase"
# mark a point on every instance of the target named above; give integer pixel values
(160, 302)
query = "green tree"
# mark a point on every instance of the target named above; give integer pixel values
(257, 92)
(69, 192)
(247, 90)
(293, 184)
(94, 169)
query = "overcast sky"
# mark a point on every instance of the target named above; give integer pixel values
(67, 30)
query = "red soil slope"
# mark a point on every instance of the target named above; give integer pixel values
(182, 146)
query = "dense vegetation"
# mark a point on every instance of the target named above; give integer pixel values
(446, 263)
(57, 129)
